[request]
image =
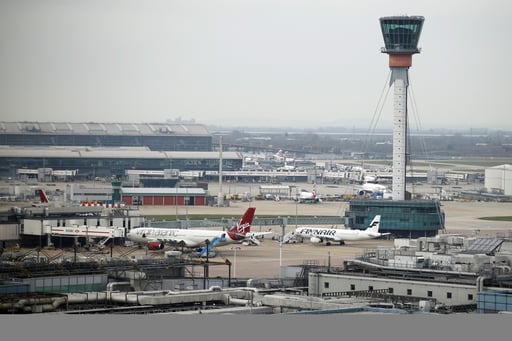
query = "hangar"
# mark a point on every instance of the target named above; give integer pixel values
(164, 196)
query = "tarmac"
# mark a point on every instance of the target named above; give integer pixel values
(266, 259)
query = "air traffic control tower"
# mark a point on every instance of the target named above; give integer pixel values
(401, 35)
(401, 216)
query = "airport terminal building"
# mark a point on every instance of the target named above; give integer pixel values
(90, 150)
(154, 136)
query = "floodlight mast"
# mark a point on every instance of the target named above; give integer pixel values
(401, 35)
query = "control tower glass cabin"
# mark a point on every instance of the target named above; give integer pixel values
(401, 35)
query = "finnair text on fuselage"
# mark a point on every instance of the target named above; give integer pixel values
(317, 232)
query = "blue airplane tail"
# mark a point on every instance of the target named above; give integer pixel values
(211, 245)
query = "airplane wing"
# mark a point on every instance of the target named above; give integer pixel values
(258, 234)
(254, 237)
(320, 239)
(331, 238)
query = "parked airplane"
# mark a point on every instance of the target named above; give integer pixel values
(286, 168)
(319, 235)
(308, 197)
(375, 190)
(370, 178)
(283, 156)
(156, 238)
(44, 201)
(42, 196)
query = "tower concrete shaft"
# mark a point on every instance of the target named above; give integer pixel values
(400, 81)
(401, 35)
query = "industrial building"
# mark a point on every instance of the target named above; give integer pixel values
(405, 218)
(165, 196)
(498, 180)
(446, 273)
(497, 185)
(67, 224)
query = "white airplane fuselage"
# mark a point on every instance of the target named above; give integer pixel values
(335, 234)
(319, 234)
(190, 237)
(156, 238)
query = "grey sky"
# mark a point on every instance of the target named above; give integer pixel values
(303, 63)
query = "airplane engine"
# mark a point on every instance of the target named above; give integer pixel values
(155, 246)
(361, 192)
(315, 240)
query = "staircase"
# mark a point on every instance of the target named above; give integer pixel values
(289, 238)
(102, 242)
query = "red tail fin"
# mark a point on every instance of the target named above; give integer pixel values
(243, 226)
(42, 196)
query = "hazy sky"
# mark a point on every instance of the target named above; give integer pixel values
(303, 63)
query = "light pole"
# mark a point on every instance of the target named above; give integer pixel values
(281, 248)
(186, 202)
(206, 265)
(296, 206)
(176, 200)
(234, 248)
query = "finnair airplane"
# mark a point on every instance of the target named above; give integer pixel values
(156, 238)
(319, 235)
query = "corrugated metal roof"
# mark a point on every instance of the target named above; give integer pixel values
(95, 128)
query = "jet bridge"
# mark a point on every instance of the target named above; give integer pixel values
(88, 231)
